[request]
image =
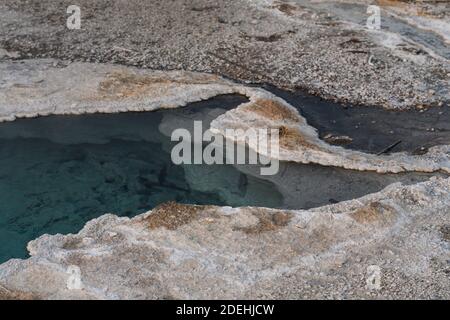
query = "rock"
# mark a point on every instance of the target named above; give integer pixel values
(110, 88)
(339, 140)
(209, 45)
(206, 252)
(8, 54)
(195, 252)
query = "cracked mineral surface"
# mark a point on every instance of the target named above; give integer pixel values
(389, 203)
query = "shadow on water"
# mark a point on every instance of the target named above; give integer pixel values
(373, 129)
(58, 172)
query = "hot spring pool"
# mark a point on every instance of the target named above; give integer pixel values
(58, 172)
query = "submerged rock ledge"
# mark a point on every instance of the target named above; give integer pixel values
(33, 88)
(204, 252)
(182, 251)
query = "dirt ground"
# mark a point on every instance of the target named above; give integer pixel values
(292, 45)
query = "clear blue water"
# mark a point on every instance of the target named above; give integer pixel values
(58, 172)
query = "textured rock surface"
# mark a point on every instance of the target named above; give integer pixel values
(31, 88)
(291, 44)
(40, 87)
(299, 142)
(179, 251)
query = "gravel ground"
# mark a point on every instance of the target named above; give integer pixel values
(288, 45)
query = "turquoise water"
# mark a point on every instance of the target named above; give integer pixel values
(58, 172)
